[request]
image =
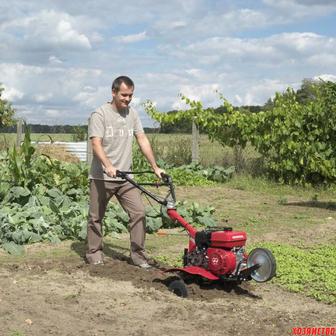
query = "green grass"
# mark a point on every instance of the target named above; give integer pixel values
(174, 147)
(16, 333)
(263, 185)
(310, 271)
(10, 138)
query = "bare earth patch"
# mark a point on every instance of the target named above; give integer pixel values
(70, 298)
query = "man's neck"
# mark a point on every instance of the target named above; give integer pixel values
(119, 110)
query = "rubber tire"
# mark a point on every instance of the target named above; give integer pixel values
(179, 288)
(271, 261)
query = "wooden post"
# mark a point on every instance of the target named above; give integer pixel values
(19, 132)
(88, 148)
(195, 143)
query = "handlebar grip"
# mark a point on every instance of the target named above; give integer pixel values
(120, 174)
(165, 177)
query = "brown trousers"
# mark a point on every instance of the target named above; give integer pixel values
(130, 199)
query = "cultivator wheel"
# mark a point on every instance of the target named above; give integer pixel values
(267, 264)
(178, 287)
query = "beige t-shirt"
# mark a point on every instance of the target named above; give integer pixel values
(117, 130)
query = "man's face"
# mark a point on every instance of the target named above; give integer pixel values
(123, 97)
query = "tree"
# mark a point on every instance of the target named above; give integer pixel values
(308, 90)
(297, 136)
(6, 111)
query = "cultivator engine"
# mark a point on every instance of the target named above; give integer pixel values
(220, 252)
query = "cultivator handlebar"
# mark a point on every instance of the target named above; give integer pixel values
(168, 201)
(166, 181)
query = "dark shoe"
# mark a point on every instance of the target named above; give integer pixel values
(152, 262)
(98, 262)
(95, 258)
(148, 260)
(142, 260)
(145, 265)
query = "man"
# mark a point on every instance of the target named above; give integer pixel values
(111, 130)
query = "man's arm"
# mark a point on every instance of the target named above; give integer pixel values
(98, 150)
(147, 150)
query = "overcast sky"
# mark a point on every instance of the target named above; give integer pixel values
(58, 58)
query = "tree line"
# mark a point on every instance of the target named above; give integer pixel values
(52, 129)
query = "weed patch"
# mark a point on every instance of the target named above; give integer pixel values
(311, 271)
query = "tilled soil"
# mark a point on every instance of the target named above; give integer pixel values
(69, 297)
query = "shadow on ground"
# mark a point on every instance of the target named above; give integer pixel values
(314, 204)
(110, 250)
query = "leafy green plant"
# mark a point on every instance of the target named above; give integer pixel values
(180, 153)
(216, 173)
(20, 161)
(295, 136)
(80, 133)
(139, 161)
(296, 139)
(193, 213)
(184, 177)
(6, 111)
(169, 260)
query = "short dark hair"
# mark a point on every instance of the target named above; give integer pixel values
(122, 79)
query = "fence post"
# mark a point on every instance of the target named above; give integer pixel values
(19, 132)
(88, 148)
(195, 143)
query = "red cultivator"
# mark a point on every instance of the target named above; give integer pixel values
(214, 254)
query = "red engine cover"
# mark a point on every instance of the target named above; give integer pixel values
(228, 239)
(221, 262)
